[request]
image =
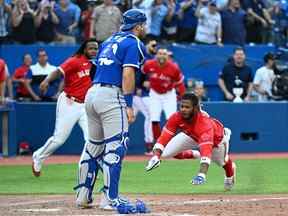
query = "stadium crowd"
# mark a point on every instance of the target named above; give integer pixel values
(200, 21)
(212, 22)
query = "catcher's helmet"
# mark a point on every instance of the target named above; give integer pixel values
(132, 18)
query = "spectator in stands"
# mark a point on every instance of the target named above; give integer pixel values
(199, 90)
(86, 18)
(209, 28)
(187, 20)
(24, 29)
(158, 13)
(145, 6)
(279, 32)
(46, 21)
(264, 77)
(23, 92)
(236, 74)
(5, 12)
(233, 23)
(5, 82)
(258, 20)
(37, 74)
(69, 16)
(106, 20)
(170, 22)
(196, 87)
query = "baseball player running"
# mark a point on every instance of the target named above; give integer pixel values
(197, 130)
(70, 104)
(109, 110)
(164, 76)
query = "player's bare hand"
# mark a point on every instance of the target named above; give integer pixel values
(44, 86)
(130, 115)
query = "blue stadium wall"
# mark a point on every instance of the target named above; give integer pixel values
(256, 127)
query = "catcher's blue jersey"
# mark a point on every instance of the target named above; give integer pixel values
(120, 50)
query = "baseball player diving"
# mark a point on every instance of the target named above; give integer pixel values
(70, 104)
(197, 130)
(109, 110)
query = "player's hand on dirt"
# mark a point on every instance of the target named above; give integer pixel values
(153, 163)
(130, 115)
(199, 179)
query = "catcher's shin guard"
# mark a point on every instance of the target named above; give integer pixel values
(112, 161)
(89, 165)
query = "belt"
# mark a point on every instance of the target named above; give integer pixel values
(106, 85)
(74, 99)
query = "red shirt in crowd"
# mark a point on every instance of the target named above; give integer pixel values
(206, 131)
(3, 71)
(77, 79)
(20, 73)
(164, 78)
(87, 18)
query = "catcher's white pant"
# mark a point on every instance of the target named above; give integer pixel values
(142, 104)
(166, 102)
(182, 142)
(68, 113)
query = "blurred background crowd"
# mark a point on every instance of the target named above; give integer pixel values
(200, 21)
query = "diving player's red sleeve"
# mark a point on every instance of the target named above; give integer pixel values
(167, 133)
(206, 146)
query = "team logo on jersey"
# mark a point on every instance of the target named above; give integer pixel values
(105, 61)
(84, 73)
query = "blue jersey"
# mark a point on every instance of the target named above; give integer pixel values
(120, 50)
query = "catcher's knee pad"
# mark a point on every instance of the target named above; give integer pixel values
(89, 166)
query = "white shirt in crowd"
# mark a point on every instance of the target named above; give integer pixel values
(264, 78)
(37, 69)
(208, 24)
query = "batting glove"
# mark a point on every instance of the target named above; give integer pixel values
(199, 179)
(153, 163)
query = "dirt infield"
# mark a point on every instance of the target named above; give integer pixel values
(188, 205)
(63, 159)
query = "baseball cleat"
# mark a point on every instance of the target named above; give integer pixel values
(84, 205)
(230, 181)
(35, 173)
(36, 167)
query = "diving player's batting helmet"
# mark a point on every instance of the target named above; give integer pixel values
(132, 18)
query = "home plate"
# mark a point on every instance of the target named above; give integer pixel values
(41, 210)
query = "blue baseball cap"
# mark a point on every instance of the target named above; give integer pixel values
(132, 18)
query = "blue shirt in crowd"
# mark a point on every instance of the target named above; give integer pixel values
(233, 25)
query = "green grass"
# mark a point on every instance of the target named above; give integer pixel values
(253, 177)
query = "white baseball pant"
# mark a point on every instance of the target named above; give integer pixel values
(142, 104)
(68, 113)
(166, 102)
(182, 142)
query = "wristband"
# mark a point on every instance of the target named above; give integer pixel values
(128, 99)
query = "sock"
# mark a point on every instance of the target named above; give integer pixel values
(156, 130)
(188, 154)
(228, 168)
